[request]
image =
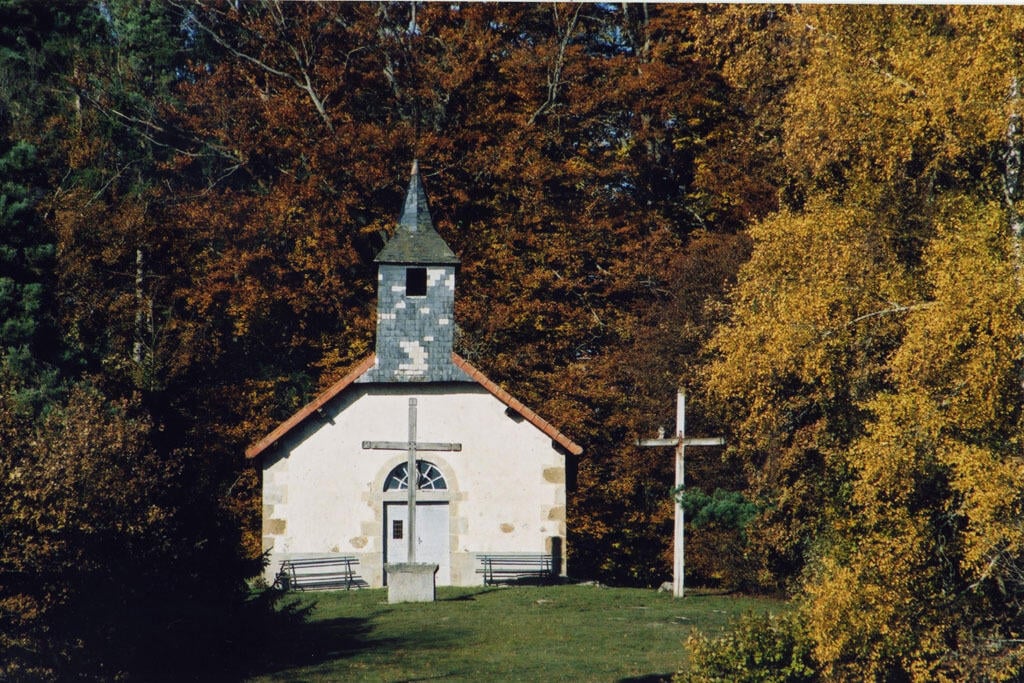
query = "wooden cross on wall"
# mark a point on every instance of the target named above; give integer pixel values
(680, 441)
(412, 473)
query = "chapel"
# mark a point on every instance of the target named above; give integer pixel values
(490, 476)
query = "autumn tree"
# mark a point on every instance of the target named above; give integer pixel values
(559, 145)
(933, 541)
(842, 166)
(118, 255)
(903, 120)
(106, 566)
(111, 514)
(806, 345)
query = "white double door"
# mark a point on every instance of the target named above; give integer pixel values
(432, 536)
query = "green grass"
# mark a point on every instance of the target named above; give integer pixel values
(522, 633)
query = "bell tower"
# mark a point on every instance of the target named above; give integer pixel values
(415, 299)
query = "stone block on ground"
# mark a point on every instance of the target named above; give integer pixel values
(409, 582)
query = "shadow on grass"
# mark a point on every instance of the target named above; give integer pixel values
(468, 597)
(649, 678)
(289, 654)
(312, 643)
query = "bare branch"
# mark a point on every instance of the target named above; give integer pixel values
(303, 83)
(127, 117)
(139, 126)
(117, 174)
(894, 309)
(1013, 173)
(555, 75)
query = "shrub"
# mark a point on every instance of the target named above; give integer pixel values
(761, 648)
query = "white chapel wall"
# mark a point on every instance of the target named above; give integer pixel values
(323, 493)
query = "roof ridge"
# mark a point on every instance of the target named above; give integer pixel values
(367, 363)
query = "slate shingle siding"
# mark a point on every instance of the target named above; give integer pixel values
(415, 334)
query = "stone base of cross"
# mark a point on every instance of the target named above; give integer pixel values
(680, 441)
(411, 582)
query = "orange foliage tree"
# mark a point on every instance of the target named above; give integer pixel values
(561, 146)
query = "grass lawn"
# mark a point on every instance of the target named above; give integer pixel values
(521, 633)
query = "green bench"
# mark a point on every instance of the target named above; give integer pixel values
(327, 572)
(515, 567)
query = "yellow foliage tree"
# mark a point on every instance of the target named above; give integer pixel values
(872, 368)
(806, 344)
(929, 571)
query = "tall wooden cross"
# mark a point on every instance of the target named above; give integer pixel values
(680, 441)
(412, 471)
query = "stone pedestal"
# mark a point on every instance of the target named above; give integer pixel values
(411, 582)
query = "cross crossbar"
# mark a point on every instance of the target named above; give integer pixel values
(405, 445)
(704, 441)
(658, 442)
(688, 441)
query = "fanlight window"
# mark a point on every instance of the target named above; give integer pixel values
(430, 478)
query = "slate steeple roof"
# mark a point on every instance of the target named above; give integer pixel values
(415, 240)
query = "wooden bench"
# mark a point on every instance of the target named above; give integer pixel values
(327, 572)
(515, 567)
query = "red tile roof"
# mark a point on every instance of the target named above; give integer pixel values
(316, 404)
(310, 408)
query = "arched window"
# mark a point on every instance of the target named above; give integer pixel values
(430, 477)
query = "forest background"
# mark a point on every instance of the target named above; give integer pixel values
(806, 215)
